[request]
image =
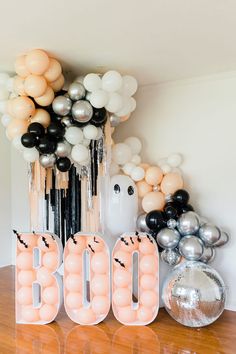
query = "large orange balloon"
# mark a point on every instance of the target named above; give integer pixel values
(20, 66)
(143, 188)
(41, 116)
(47, 98)
(153, 201)
(35, 85)
(37, 62)
(16, 127)
(22, 107)
(171, 183)
(153, 175)
(54, 70)
(58, 84)
(18, 85)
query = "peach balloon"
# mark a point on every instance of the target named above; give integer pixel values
(171, 183)
(126, 314)
(100, 305)
(35, 86)
(100, 262)
(25, 296)
(73, 282)
(95, 242)
(143, 188)
(26, 277)
(58, 84)
(26, 242)
(41, 116)
(85, 316)
(46, 243)
(54, 70)
(125, 118)
(148, 281)
(16, 127)
(122, 278)
(122, 297)
(44, 277)
(20, 66)
(24, 261)
(50, 295)
(100, 284)
(121, 257)
(144, 314)
(76, 245)
(47, 312)
(129, 244)
(146, 246)
(153, 175)
(74, 300)
(29, 313)
(153, 201)
(51, 260)
(148, 264)
(18, 85)
(73, 263)
(148, 298)
(22, 108)
(37, 61)
(47, 98)
(144, 166)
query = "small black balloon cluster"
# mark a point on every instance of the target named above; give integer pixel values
(181, 233)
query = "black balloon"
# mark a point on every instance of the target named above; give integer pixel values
(63, 164)
(170, 212)
(155, 220)
(37, 129)
(181, 196)
(56, 130)
(28, 140)
(47, 145)
(186, 208)
(99, 117)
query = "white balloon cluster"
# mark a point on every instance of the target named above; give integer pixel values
(112, 91)
(170, 163)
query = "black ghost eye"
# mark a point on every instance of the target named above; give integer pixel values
(130, 190)
(117, 188)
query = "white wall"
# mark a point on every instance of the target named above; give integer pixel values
(196, 118)
(5, 201)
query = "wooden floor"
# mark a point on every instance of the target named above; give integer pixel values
(63, 336)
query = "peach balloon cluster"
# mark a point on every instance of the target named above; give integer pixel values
(94, 307)
(29, 270)
(146, 307)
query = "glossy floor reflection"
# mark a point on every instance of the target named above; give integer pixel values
(63, 336)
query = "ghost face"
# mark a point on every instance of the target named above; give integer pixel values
(122, 206)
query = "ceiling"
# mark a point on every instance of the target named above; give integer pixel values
(154, 40)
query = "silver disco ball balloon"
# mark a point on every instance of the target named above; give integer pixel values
(67, 121)
(141, 223)
(82, 111)
(210, 234)
(76, 91)
(63, 149)
(188, 223)
(194, 294)
(191, 247)
(171, 223)
(61, 105)
(171, 257)
(168, 238)
(48, 160)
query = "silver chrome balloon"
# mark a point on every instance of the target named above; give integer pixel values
(67, 121)
(76, 91)
(171, 223)
(194, 294)
(224, 238)
(188, 223)
(63, 149)
(82, 111)
(141, 223)
(191, 247)
(171, 257)
(114, 120)
(209, 234)
(168, 238)
(208, 255)
(47, 160)
(61, 105)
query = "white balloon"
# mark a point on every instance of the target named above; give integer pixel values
(74, 135)
(6, 119)
(3, 79)
(115, 102)
(136, 159)
(121, 153)
(79, 153)
(174, 160)
(114, 169)
(137, 173)
(111, 81)
(31, 155)
(99, 133)
(4, 94)
(80, 79)
(129, 85)
(92, 82)
(3, 106)
(133, 104)
(161, 162)
(128, 168)
(90, 132)
(85, 162)
(126, 109)
(166, 168)
(10, 84)
(85, 142)
(99, 98)
(16, 142)
(134, 144)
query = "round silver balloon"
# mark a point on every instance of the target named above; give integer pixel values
(171, 257)
(63, 149)
(171, 223)
(82, 111)
(114, 120)
(188, 223)
(191, 247)
(47, 161)
(209, 234)
(61, 105)
(76, 91)
(224, 238)
(168, 238)
(141, 223)
(208, 255)
(67, 121)
(194, 294)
